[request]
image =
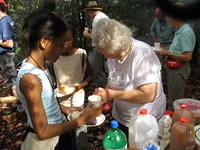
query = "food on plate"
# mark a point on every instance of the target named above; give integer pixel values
(64, 89)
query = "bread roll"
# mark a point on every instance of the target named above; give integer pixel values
(63, 89)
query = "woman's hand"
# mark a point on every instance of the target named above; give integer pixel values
(68, 110)
(88, 114)
(162, 52)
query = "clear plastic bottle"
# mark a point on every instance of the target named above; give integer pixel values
(183, 112)
(115, 139)
(143, 130)
(182, 135)
(164, 124)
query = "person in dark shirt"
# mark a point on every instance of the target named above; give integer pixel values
(7, 47)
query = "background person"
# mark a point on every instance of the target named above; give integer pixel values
(161, 30)
(134, 80)
(96, 60)
(179, 53)
(72, 69)
(44, 35)
(7, 47)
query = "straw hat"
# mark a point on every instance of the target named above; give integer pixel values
(93, 5)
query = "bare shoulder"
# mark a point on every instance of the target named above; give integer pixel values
(29, 81)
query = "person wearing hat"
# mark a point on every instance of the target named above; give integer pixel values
(96, 60)
(7, 46)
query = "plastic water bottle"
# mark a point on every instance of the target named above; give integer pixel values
(115, 139)
(164, 124)
(143, 131)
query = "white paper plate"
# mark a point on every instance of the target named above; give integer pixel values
(100, 119)
(70, 90)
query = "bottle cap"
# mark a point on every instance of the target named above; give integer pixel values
(114, 124)
(184, 106)
(184, 120)
(143, 111)
(168, 112)
(151, 147)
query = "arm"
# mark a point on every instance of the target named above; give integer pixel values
(87, 77)
(87, 33)
(153, 31)
(185, 43)
(7, 36)
(31, 88)
(7, 43)
(184, 57)
(143, 94)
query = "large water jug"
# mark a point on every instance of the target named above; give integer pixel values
(182, 135)
(143, 131)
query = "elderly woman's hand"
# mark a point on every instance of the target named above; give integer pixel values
(103, 93)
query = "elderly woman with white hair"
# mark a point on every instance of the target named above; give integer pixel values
(134, 80)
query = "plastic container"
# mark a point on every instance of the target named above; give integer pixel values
(143, 130)
(182, 135)
(115, 139)
(197, 136)
(183, 112)
(164, 124)
(193, 105)
(166, 120)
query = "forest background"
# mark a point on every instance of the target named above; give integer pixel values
(136, 14)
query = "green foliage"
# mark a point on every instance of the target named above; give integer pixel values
(137, 14)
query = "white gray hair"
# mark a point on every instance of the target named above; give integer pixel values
(111, 35)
